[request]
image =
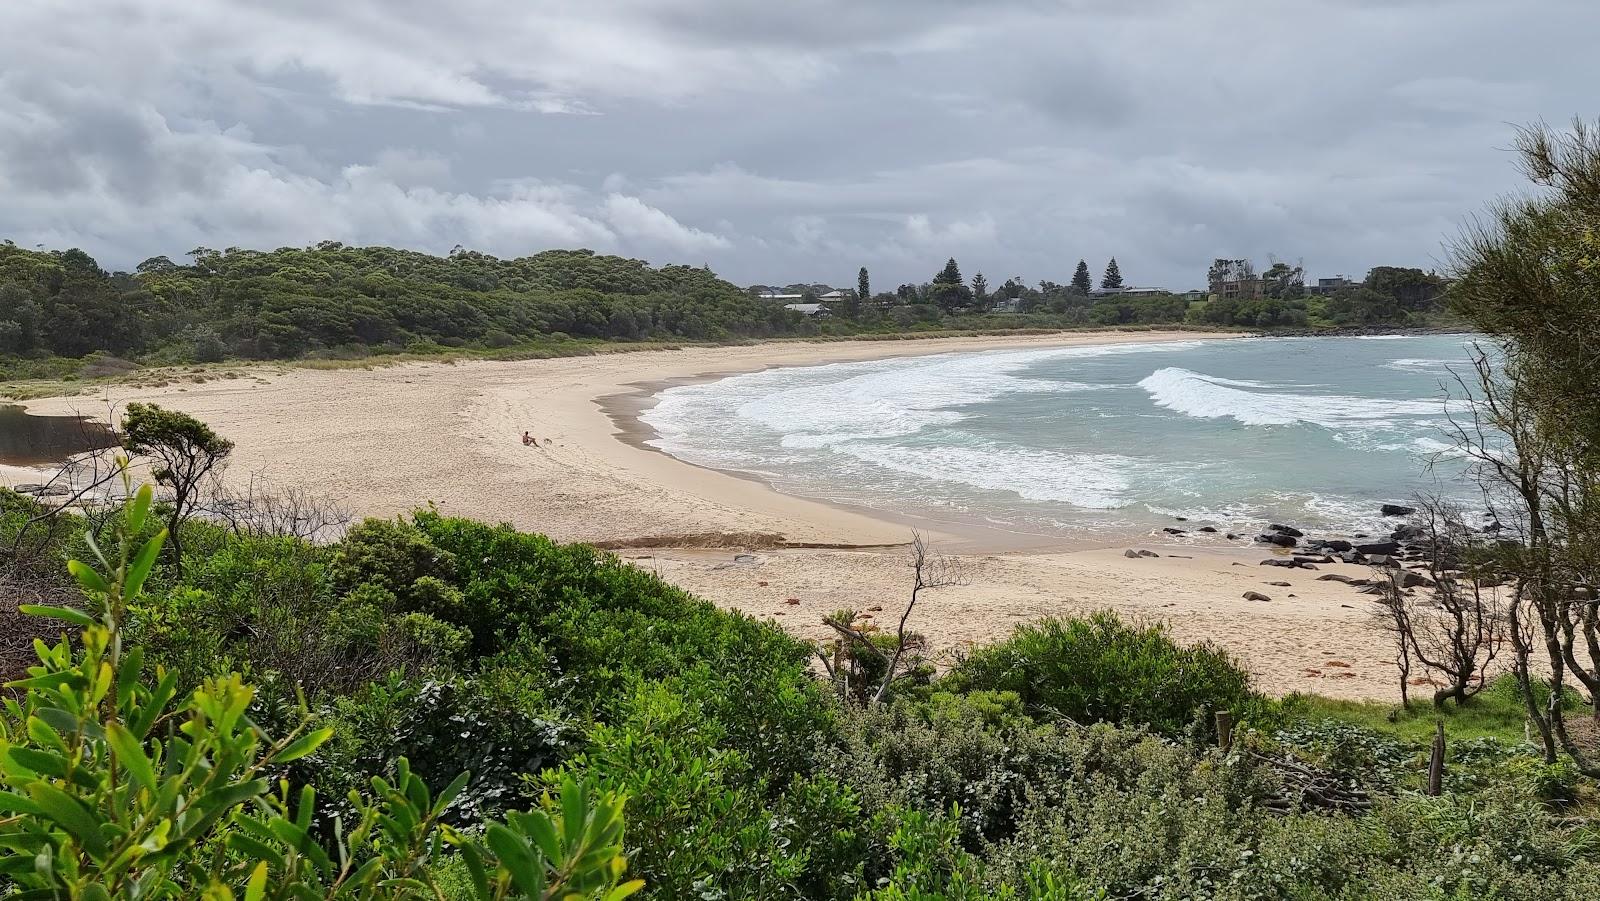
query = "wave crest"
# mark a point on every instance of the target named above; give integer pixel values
(1210, 397)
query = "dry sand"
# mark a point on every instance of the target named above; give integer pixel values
(386, 440)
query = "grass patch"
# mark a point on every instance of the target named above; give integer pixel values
(1496, 712)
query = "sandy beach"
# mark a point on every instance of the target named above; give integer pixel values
(386, 440)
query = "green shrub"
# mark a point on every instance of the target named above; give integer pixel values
(603, 625)
(443, 727)
(698, 815)
(1102, 669)
(392, 555)
(110, 789)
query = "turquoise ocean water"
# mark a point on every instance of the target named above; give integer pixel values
(1091, 440)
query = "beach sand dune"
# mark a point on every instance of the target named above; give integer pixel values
(387, 440)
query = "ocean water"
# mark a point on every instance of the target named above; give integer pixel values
(1096, 440)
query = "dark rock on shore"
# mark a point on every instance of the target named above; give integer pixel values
(1210, 529)
(1291, 531)
(1277, 538)
(1387, 548)
(1255, 596)
(1360, 331)
(1407, 533)
(1171, 531)
(1414, 580)
(1396, 510)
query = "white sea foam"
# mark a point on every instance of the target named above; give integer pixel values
(823, 406)
(1209, 397)
(1422, 365)
(1086, 481)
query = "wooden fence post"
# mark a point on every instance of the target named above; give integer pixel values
(1225, 731)
(1436, 761)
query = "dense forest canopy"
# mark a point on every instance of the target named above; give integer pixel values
(290, 302)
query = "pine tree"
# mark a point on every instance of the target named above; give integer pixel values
(1081, 282)
(949, 289)
(1113, 276)
(863, 286)
(980, 291)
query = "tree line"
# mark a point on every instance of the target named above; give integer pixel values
(335, 300)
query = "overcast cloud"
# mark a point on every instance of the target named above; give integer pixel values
(783, 142)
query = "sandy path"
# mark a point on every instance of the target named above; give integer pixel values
(384, 441)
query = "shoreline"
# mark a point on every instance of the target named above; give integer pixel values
(385, 441)
(626, 410)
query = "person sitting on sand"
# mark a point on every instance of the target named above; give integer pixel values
(528, 440)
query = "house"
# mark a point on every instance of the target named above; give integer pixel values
(1330, 285)
(807, 309)
(773, 294)
(1251, 288)
(837, 296)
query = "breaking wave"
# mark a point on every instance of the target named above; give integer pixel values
(1209, 397)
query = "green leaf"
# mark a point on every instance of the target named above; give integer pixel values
(139, 570)
(624, 890)
(155, 705)
(475, 868)
(87, 577)
(131, 755)
(450, 793)
(88, 539)
(574, 800)
(49, 725)
(218, 803)
(256, 888)
(255, 848)
(14, 803)
(139, 509)
(543, 832)
(48, 681)
(128, 674)
(66, 614)
(518, 859)
(303, 745)
(70, 814)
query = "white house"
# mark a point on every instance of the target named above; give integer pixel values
(806, 309)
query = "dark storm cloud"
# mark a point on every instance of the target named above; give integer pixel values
(783, 141)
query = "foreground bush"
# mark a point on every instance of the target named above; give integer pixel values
(113, 790)
(566, 680)
(1102, 669)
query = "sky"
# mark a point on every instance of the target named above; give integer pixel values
(788, 141)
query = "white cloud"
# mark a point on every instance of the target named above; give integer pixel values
(637, 220)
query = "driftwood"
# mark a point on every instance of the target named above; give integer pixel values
(1307, 788)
